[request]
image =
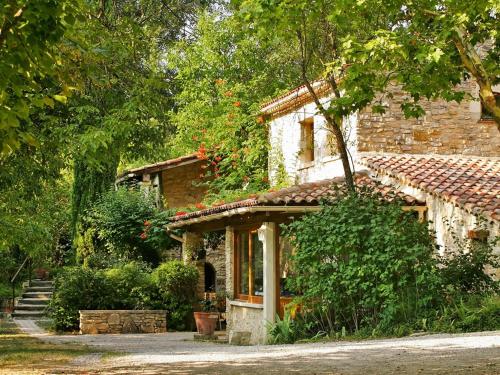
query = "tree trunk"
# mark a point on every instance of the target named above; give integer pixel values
(472, 62)
(334, 127)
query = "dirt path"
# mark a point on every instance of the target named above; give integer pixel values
(176, 353)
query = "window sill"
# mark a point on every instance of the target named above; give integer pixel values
(306, 166)
(246, 304)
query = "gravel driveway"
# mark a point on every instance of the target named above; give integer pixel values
(177, 353)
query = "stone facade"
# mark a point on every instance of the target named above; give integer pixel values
(447, 128)
(216, 257)
(181, 186)
(446, 219)
(246, 317)
(123, 321)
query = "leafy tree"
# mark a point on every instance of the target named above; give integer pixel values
(447, 41)
(223, 75)
(316, 31)
(30, 32)
(121, 111)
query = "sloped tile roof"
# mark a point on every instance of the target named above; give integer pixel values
(162, 165)
(470, 182)
(308, 194)
(294, 99)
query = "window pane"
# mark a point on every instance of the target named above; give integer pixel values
(243, 262)
(258, 265)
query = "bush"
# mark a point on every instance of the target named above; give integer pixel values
(176, 284)
(463, 273)
(286, 330)
(131, 285)
(363, 263)
(112, 229)
(77, 288)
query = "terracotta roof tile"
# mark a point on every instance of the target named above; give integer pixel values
(470, 182)
(308, 194)
(156, 167)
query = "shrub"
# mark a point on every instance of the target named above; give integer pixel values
(463, 273)
(77, 288)
(113, 226)
(361, 262)
(176, 284)
(131, 284)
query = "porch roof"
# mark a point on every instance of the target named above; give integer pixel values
(472, 183)
(298, 199)
(160, 166)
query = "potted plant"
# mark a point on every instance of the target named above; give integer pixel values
(206, 320)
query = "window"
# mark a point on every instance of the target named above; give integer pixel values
(307, 140)
(249, 266)
(485, 115)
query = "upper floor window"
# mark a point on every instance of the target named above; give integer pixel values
(307, 140)
(485, 115)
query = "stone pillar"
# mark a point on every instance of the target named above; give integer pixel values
(200, 288)
(267, 233)
(191, 244)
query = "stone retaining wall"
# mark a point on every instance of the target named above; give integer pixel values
(122, 321)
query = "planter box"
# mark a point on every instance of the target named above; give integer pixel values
(122, 321)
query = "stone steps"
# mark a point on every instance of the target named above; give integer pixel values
(38, 295)
(22, 314)
(34, 300)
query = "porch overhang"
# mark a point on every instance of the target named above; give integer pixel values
(243, 211)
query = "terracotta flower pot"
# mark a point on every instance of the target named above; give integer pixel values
(41, 273)
(206, 322)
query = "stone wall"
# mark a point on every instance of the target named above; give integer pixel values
(123, 321)
(446, 219)
(180, 185)
(217, 258)
(446, 128)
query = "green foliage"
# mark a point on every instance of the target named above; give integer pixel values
(475, 313)
(223, 76)
(467, 271)
(286, 330)
(77, 288)
(426, 46)
(364, 263)
(29, 59)
(176, 284)
(123, 225)
(131, 285)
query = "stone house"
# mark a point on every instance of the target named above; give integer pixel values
(175, 183)
(445, 166)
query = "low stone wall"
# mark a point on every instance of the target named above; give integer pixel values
(122, 321)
